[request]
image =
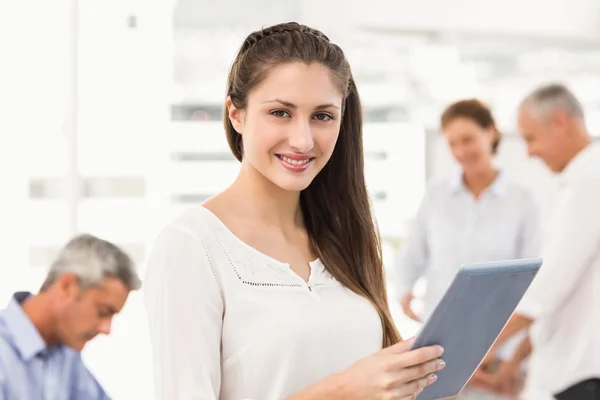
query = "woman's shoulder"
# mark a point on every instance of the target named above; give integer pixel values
(197, 220)
(184, 257)
(193, 229)
(440, 188)
(516, 188)
(443, 184)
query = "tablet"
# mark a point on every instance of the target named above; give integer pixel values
(470, 317)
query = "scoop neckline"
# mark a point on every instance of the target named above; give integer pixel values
(234, 237)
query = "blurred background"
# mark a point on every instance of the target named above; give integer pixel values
(110, 116)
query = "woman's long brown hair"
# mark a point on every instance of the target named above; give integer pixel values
(336, 208)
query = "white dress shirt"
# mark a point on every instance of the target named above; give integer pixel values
(452, 228)
(564, 299)
(228, 322)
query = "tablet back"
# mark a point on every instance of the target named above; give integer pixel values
(471, 316)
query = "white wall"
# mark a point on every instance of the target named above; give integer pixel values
(125, 81)
(574, 19)
(33, 88)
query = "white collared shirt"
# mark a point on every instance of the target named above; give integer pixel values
(453, 228)
(228, 322)
(564, 299)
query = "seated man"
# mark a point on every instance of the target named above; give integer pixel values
(41, 335)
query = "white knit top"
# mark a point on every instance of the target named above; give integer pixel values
(228, 322)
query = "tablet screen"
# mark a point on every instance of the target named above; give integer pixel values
(471, 316)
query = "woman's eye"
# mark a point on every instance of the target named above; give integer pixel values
(280, 113)
(323, 117)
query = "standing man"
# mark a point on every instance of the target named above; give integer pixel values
(563, 303)
(41, 335)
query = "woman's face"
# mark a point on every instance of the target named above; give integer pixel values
(290, 125)
(470, 144)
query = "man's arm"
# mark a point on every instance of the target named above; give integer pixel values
(572, 244)
(3, 390)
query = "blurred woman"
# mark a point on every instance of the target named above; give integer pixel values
(477, 216)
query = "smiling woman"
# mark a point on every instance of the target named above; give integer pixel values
(292, 121)
(275, 287)
(301, 162)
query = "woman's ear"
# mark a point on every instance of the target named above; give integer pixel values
(236, 116)
(491, 133)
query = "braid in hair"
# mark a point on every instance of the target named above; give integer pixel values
(289, 27)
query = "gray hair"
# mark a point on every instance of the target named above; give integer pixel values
(92, 260)
(548, 98)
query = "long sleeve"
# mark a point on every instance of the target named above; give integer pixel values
(185, 311)
(531, 237)
(413, 255)
(3, 394)
(573, 242)
(88, 387)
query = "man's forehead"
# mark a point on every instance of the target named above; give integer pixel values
(528, 120)
(524, 113)
(111, 282)
(111, 289)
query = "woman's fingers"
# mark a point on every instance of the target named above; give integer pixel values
(422, 370)
(400, 358)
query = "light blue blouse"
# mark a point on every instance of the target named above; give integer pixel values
(452, 228)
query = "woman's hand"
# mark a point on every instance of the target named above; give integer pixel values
(406, 303)
(392, 373)
(509, 378)
(484, 377)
